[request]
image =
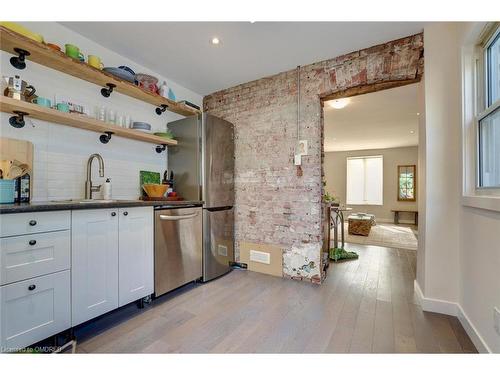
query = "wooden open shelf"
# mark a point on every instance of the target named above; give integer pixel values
(57, 60)
(10, 105)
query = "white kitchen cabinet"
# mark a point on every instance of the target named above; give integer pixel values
(32, 255)
(94, 263)
(33, 222)
(135, 255)
(34, 309)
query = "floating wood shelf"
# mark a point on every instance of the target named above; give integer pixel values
(57, 60)
(9, 105)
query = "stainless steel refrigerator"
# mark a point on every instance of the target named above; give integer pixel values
(203, 167)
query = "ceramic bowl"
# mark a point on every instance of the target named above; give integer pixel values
(155, 190)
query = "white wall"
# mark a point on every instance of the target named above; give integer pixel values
(461, 249)
(442, 167)
(61, 152)
(335, 167)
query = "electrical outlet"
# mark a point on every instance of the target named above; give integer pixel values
(260, 257)
(496, 317)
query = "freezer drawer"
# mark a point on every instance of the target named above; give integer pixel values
(178, 248)
(218, 246)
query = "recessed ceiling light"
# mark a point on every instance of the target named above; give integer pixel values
(215, 41)
(418, 113)
(339, 103)
(412, 131)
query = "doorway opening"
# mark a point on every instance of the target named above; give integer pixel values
(370, 164)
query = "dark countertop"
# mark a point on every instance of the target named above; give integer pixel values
(78, 205)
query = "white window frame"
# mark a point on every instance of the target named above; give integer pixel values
(473, 109)
(347, 187)
(482, 109)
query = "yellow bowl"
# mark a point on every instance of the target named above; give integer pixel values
(155, 190)
(22, 30)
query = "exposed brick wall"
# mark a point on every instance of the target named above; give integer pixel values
(274, 205)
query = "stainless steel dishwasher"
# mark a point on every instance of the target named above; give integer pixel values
(178, 247)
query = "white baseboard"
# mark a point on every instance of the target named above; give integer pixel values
(473, 333)
(454, 309)
(435, 305)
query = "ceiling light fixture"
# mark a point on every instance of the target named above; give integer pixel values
(412, 131)
(418, 113)
(215, 41)
(339, 103)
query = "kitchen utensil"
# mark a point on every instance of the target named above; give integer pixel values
(43, 102)
(63, 107)
(95, 61)
(74, 52)
(147, 82)
(19, 89)
(53, 46)
(120, 73)
(22, 30)
(155, 190)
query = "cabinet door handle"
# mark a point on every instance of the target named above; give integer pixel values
(113, 213)
(125, 213)
(32, 287)
(32, 242)
(32, 223)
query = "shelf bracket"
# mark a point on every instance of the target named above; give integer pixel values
(105, 137)
(19, 62)
(161, 148)
(106, 92)
(162, 108)
(18, 121)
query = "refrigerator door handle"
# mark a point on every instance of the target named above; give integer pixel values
(177, 218)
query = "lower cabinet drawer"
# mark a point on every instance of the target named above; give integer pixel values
(25, 257)
(34, 309)
(34, 222)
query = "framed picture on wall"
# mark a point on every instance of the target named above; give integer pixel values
(407, 183)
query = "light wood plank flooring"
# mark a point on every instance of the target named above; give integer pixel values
(365, 306)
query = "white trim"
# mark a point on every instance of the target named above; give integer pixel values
(471, 330)
(454, 309)
(435, 305)
(491, 203)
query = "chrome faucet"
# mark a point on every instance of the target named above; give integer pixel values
(89, 188)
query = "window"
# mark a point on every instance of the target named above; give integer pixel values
(407, 175)
(365, 180)
(488, 120)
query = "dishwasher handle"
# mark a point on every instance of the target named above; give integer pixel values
(177, 218)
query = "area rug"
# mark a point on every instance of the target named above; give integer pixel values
(388, 235)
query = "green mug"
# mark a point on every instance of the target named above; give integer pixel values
(63, 107)
(74, 52)
(44, 102)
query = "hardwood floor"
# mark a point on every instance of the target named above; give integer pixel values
(365, 306)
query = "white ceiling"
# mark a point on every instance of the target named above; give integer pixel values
(382, 119)
(248, 51)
